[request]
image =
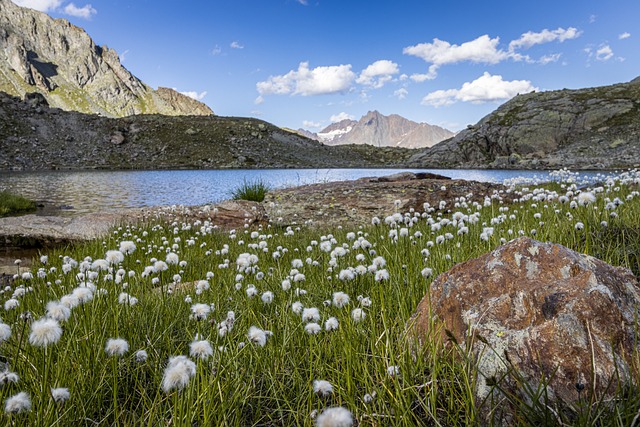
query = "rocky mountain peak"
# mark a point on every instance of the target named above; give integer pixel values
(374, 128)
(62, 62)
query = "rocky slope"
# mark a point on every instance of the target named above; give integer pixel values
(60, 61)
(589, 128)
(36, 137)
(381, 131)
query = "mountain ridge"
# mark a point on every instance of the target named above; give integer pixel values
(63, 63)
(589, 128)
(379, 130)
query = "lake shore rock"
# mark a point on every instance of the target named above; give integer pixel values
(538, 314)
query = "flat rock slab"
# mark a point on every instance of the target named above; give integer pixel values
(358, 201)
(43, 231)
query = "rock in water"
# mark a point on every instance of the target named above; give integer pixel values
(550, 313)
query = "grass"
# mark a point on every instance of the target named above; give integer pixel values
(375, 373)
(253, 191)
(12, 204)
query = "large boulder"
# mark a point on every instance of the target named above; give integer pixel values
(538, 313)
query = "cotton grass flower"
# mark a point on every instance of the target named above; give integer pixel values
(200, 311)
(5, 332)
(10, 304)
(20, 402)
(336, 416)
(116, 347)
(7, 377)
(60, 394)
(58, 311)
(340, 299)
(44, 332)
(177, 374)
(312, 328)
(322, 387)
(256, 336)
(357, 314)
(331, 324)
(311, 314)
(141, 356)
(114, 257)
(201, 349)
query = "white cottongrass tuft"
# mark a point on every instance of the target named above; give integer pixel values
(340, 299)
(267, 297)
(5, 332)
(200, 311)
(586, 198)
(44, 332)
(310, 314)
(178, 372)
(7, 377)
(336, 416)
(116, 347)
(331, 324)
(11, 303)
(312, 328)
(393, 371)
(297, 307)
(127, 247)
(20, 402)
(200, 349)
(357, 314)
(58, 311)
(114, 257)
(60, 394)
(322, 387)
(141, 356)
(257, 336)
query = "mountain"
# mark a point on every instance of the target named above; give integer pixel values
(60, 61)
(381, 131)
(592, 128)
(34, 136)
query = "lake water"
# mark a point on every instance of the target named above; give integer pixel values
(92, 191)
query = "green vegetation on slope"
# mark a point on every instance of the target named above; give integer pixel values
(11, 204)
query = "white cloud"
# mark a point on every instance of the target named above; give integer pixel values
(530, 38)
(401, 93)
(485, 88)
(308, 124)
(547, 59)
(480, 50)
(419, 78)
(305, 81)
(236, 45)
(41, 5)
(123, 56)
(378, 73)
(86, 11)
(340, 117)
(217, 50)
(624, 35)
(195, 95)
(593, 19)
(604, 53)
(303, 2)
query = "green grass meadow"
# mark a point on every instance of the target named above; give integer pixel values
(239, 307)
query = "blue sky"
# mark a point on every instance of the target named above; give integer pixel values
(305, 63)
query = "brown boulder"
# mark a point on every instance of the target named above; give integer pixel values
(544, 310)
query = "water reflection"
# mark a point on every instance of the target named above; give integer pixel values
(91, 191)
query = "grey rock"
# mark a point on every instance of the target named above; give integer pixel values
(60, 61)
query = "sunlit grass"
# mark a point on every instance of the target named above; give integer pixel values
(266, 376)
(253, 191)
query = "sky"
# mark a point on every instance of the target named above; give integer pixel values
(308, 63)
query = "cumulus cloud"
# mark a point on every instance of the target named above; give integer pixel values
(340, 117)
(308, 124)
(480, 50)
(305, 81)
(530, 38)
(624, 35)
(236, 45)
(41, 5)
(604, 53)
(378, 73)
(195, 95)
(485, 88)
(401, 93)
(217, 50)
(86, 11)
(547, 59)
